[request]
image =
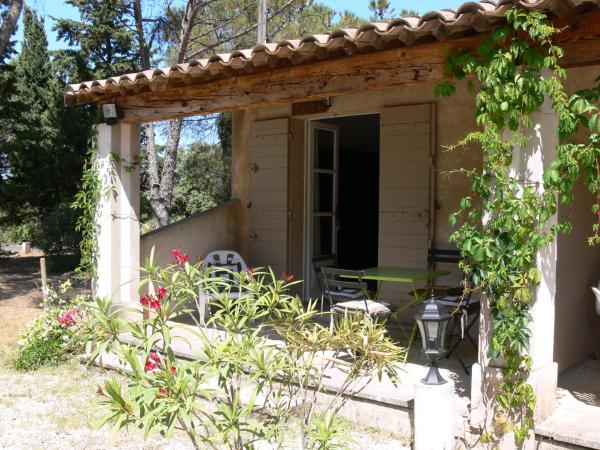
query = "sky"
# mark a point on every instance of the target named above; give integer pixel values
(58, 8)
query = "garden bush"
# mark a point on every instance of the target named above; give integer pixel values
(56, 333)
(254, 382)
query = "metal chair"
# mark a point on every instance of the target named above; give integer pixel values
(318, 263)
(438, 255)
(221, 266)
(465, 314)
(347, 294)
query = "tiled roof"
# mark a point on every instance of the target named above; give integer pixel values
(474, 16)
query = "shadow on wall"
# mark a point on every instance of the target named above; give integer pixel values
(577, 333)
(197, 235)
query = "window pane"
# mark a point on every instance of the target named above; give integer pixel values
(323, 193)
(322, 236)
(323, 149)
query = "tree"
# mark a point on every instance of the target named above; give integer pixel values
(382, 10)
(348, 19)
(104, 36)
(10, 10)
(43, 154)
(202, 180)
(161, 187)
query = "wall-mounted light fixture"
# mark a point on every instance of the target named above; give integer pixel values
(110, 113)
(328, 102)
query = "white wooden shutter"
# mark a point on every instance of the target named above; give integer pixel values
(405, 189)
(269, 194)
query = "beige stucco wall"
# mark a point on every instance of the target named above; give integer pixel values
(215, 229)
(577, 328)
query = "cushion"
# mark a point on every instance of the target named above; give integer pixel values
(353, 306)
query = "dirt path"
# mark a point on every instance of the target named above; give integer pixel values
(20, 293)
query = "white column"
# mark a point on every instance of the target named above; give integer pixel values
(118, 213)
(528, 166)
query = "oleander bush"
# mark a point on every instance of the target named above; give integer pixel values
(260, 363)
(56, 333)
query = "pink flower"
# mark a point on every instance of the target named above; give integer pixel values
(153, 362)
(162, 292)
(173, 370)
(67, 318)
(250, 271)
(150, 366)
(179, 256)
(154, 303)
(287, 277)
(150, 301)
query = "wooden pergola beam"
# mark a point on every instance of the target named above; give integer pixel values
(345, 75)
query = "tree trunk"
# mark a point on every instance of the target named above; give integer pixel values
(9, 24)
(165, 193)
(161, 187)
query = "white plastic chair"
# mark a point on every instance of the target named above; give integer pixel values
(229, 260)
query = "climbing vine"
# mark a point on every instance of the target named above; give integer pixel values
(507, 221)
(87, 200)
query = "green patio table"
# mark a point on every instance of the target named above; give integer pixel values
(408, 275)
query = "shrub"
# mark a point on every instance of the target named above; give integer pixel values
(53, 231)
(244, 389)
(56, 333)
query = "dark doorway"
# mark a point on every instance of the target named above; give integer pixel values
(358, 191)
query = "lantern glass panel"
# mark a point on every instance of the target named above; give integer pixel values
(423, 335)
(442, 335)
(432, 334)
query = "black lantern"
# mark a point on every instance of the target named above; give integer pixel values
(433, 322)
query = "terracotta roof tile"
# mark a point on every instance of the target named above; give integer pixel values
(441, 24)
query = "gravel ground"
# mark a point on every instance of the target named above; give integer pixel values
(56, 407)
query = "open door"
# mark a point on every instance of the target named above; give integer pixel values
(321, 222)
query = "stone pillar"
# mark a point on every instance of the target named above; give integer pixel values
(528, 166)
(118, 213)
(434, 416)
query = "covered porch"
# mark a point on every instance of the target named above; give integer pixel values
(340, 150)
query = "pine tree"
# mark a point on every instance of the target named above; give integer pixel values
(382, 10)
(35, 130)
(44, 156)
(104, 35)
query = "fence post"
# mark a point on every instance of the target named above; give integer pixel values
(44, 277)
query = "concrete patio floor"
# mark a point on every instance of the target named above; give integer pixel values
(380, 391)
(379, 403)
(577, 417)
